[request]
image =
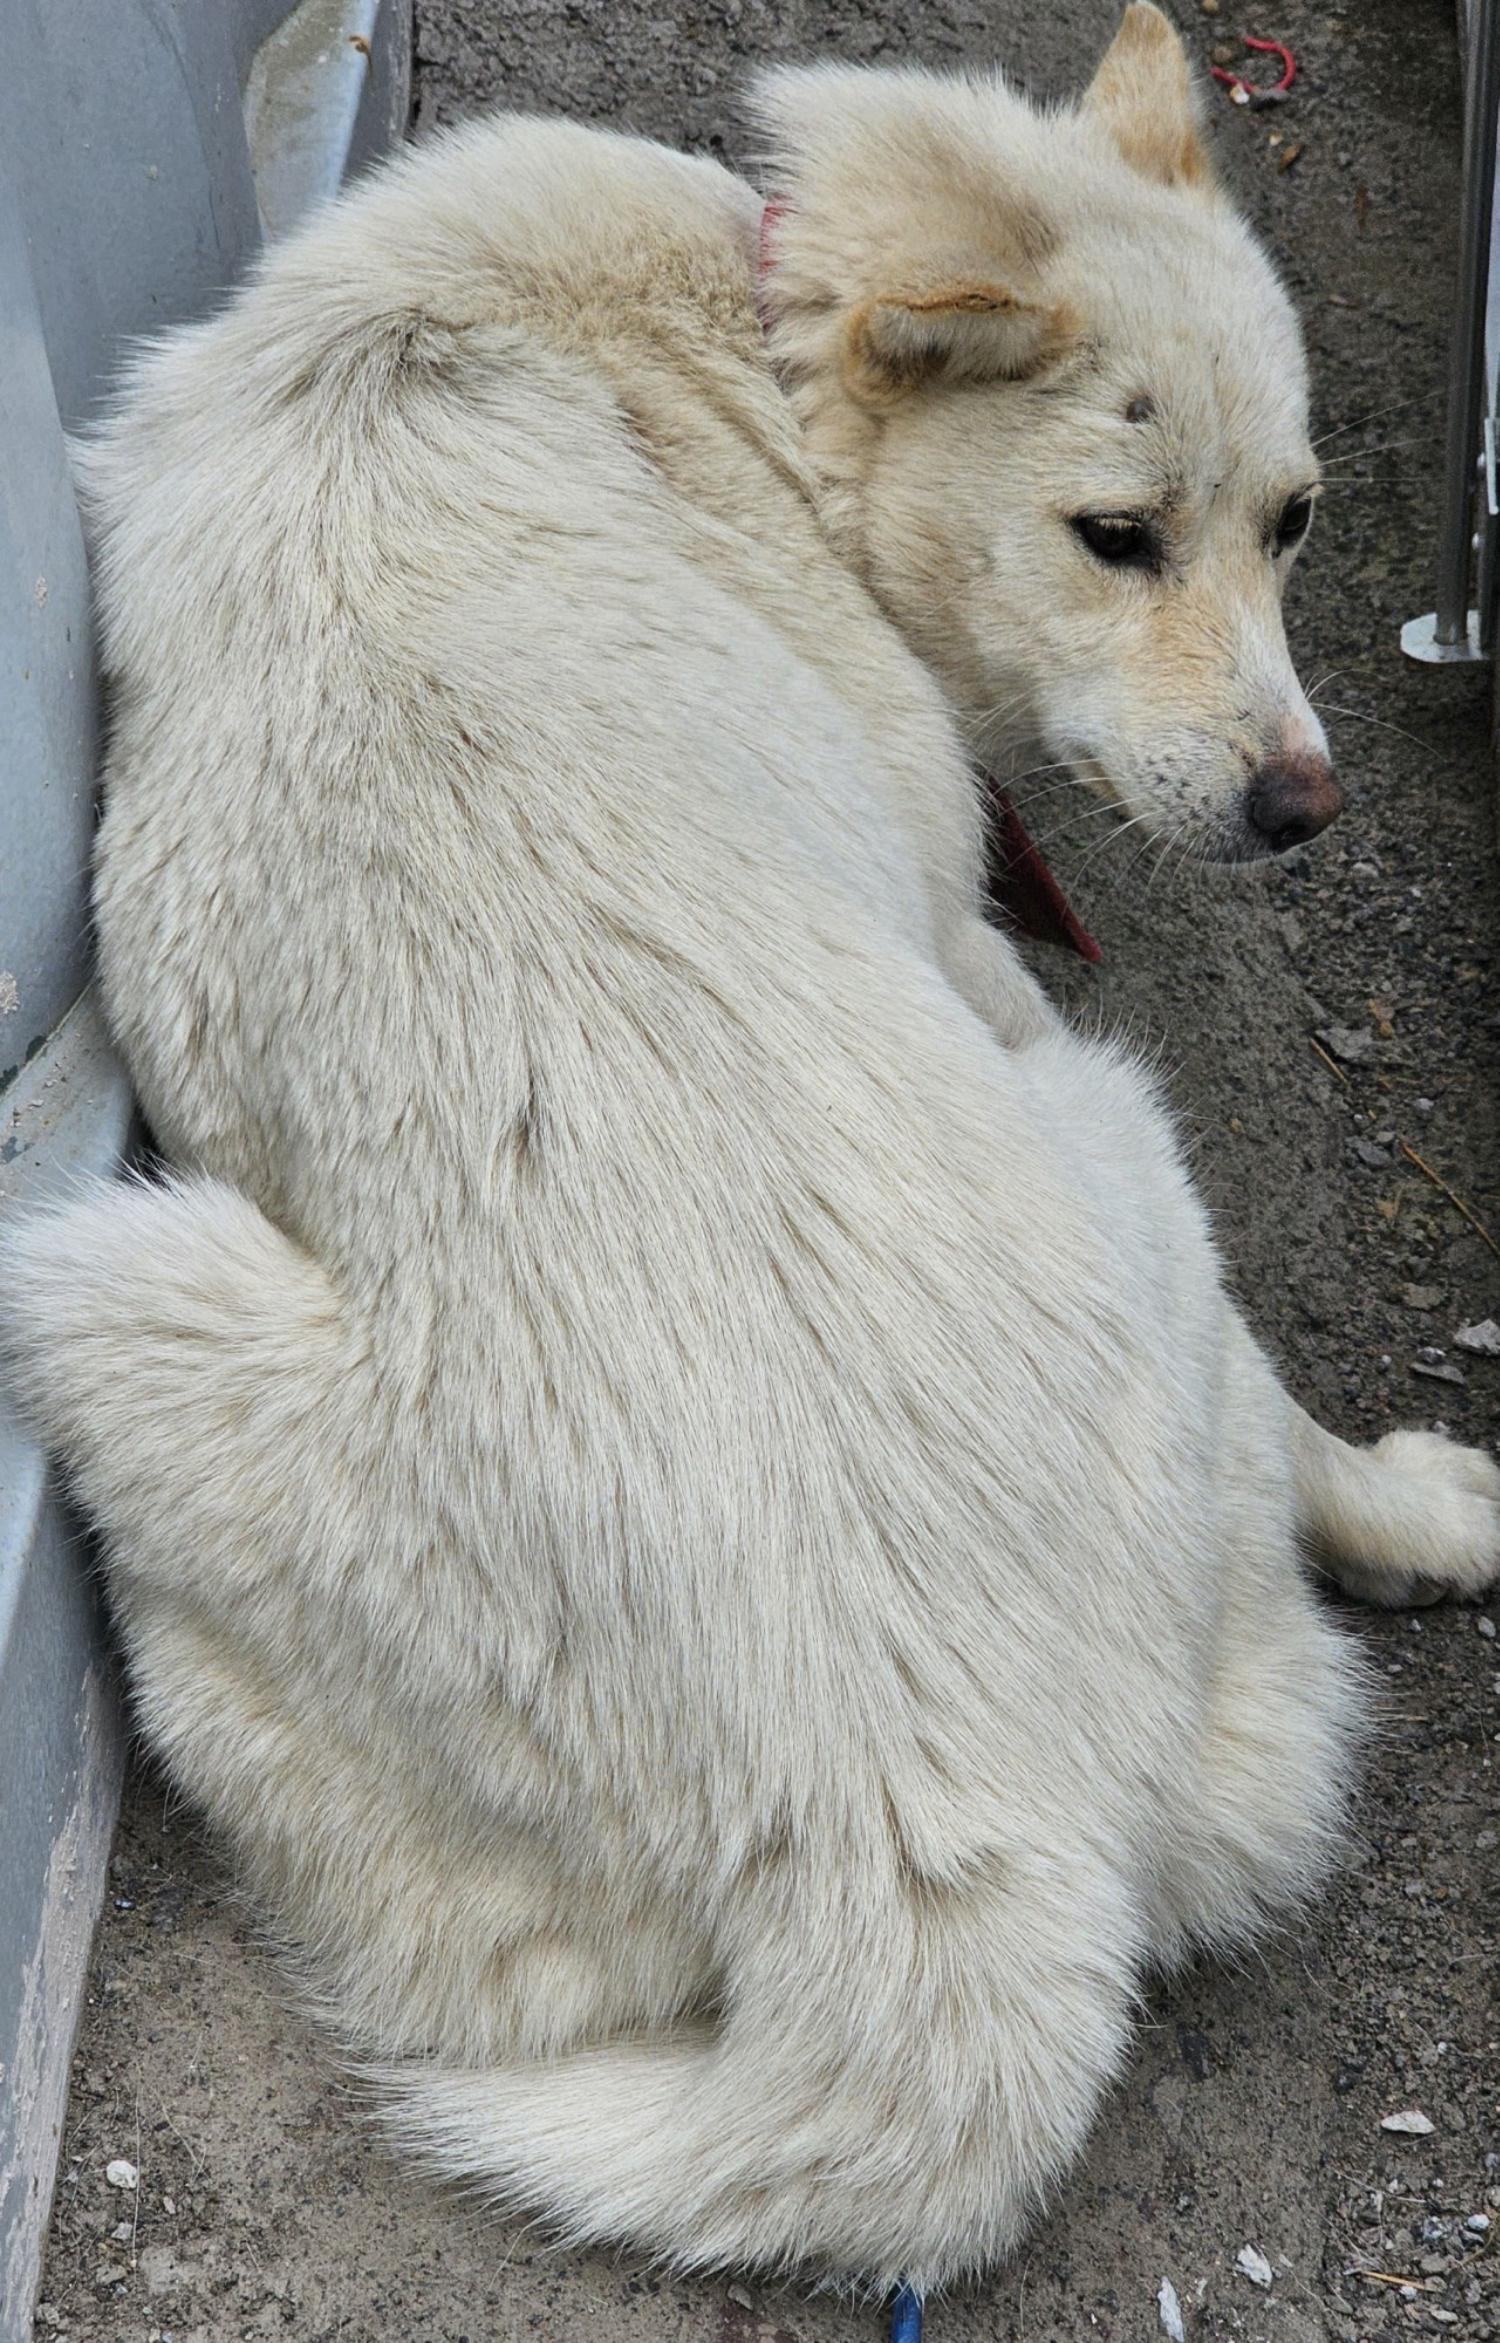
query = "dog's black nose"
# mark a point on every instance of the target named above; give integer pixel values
(1291, 799)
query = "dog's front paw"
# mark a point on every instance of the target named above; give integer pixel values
(1428, 1523)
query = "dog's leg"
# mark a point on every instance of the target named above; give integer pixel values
(1409, 1520)
(1263, 1800)
(988, 972)
(1261, 1822)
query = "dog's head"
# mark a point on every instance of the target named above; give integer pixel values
(1061, 401)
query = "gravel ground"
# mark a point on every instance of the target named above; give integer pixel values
(1251, 2115)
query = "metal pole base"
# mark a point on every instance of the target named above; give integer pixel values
(1419, 641)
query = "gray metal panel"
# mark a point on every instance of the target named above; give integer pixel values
(123, 130)
(127, 202)
(47, 720)
(60, 1739)
(329, 83)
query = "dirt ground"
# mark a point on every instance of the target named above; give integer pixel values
(1251, 2115)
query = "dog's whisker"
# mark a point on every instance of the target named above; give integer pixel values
(1382, 724)
(1111, 839)
(1085, 813)
(1362, 422)
(1044, 797)
(1004, 707)
(1359, 455)
(1035, 773)
(1036, 797)
(1333, 676)
(1157, 867)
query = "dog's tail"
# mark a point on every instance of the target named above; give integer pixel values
(872, 2106)
(182, 1355)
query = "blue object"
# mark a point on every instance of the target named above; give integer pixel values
(906, 2317)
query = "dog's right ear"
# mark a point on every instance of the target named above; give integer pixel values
(966, 329)
(1143, 94)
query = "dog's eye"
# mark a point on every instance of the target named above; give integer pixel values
(1119, 539)
(1291, 528)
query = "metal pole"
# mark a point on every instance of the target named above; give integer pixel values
(1466, 400)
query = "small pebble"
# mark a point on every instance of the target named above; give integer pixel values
(738, 2295)
(1169, 2311)
(1410, 2120)
(1355, 1044)
(1423, 1297)
(1484, 1338)
(110, 2274)
(1486, 1627)
(1478, 2224)
(120, 2232)
(121, 2173)
(1253, 2265)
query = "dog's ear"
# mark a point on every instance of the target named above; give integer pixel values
(1144, 95)
(964, 329)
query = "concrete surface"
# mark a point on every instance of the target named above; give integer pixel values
(1251, 2114)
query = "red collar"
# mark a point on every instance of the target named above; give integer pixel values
(765, 253)
(1021, 885)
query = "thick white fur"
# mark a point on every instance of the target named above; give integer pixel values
(676, 1468)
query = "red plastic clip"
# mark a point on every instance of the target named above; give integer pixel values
(1249, 93)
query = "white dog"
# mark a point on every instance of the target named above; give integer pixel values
(676, 1468)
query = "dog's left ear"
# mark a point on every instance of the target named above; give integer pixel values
(1144, 96)
(964, 329)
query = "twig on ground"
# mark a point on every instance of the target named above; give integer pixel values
(1473, 1219)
